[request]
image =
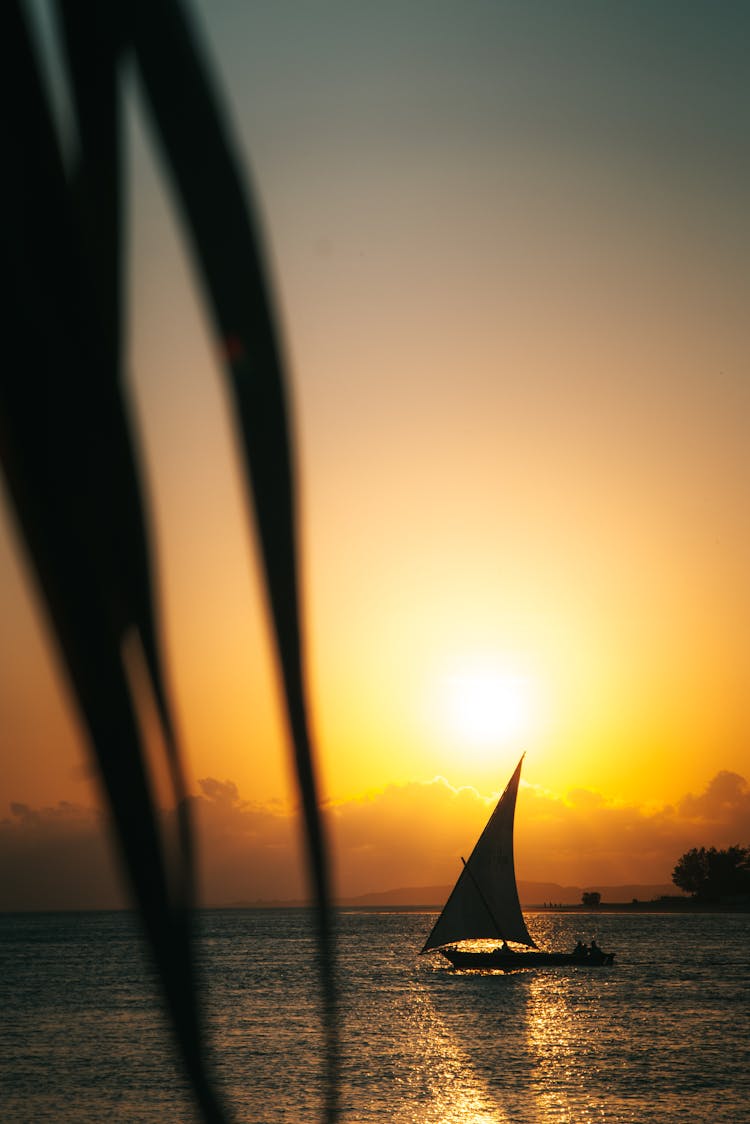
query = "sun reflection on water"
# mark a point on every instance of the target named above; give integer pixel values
(531, 1041)
(444, 1087)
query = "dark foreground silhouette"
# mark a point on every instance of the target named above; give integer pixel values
(69, 452)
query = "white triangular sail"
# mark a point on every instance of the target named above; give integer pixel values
(484, 901)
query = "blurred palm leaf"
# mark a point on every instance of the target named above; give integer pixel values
(68, 451)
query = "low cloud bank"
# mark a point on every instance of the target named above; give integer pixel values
(415, 834)
(57, 858)
(405, 835)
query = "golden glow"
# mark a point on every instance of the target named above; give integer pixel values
(520, 431)
(486, 708)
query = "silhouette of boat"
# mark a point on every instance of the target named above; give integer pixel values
(483, 906)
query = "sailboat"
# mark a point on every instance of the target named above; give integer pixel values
(483, 906)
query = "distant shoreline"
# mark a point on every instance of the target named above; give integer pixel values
(654, 907)
(674, 906)
(605, 907)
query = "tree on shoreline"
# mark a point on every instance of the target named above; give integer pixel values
(710, 874)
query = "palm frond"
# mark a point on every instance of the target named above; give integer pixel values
(69, 452)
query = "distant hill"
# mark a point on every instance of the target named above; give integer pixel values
(530, 893)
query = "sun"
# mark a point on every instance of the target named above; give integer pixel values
(484, 707)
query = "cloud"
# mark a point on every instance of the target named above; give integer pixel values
(405, 835)
(246, 851)
(57, 857)
(725, 803)
(415, 834)
(62, 856)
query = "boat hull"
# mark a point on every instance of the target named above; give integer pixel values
(508, 961)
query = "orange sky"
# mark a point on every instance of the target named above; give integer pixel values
(511, 255)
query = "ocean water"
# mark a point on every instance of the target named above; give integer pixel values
(664, 1034)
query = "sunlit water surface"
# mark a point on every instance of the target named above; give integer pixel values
(664, 1034)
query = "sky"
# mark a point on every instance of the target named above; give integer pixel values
(511, 257)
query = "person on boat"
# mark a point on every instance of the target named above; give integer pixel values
(594, 949)
(504, 947)
(580, 949)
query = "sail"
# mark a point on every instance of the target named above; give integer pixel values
(484, 901)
